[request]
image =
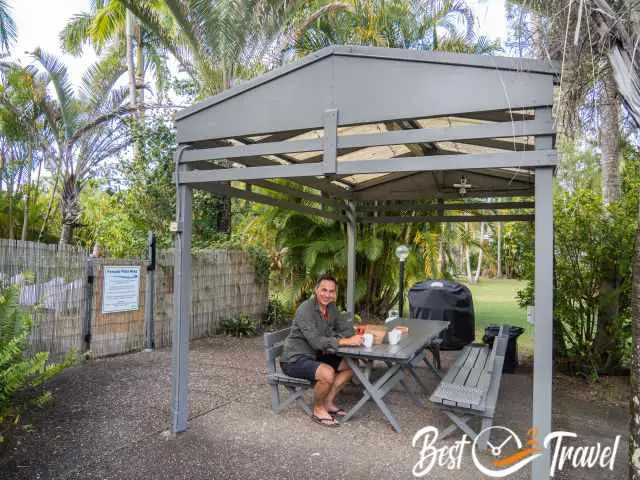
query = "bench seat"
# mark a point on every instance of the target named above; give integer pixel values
(470, 387)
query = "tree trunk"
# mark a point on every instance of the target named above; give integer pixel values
(224, 216)
(467, 255)
(634, 427)
(27, 196)
(538, 31)
(610, 139)
(223, 223)
(10, 198)
(442, 260)
(139, 69)
(129, 24)
(610, 142)
(477, 276)
(70, 207)
(49, 206)
(499, 271)
(3, 165)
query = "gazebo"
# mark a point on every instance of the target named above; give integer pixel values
(377, 135)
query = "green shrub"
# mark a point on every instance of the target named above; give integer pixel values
(21, 374)
(277, 314)
(240, 325)
(261, 262)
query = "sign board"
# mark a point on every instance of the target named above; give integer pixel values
(121, 289)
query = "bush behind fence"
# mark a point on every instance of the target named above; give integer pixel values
(55, 278)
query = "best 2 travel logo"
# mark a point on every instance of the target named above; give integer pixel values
(506, 453)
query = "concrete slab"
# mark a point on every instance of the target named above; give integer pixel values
(111, 417)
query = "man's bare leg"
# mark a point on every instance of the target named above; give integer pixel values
(325, 379)
(343, 376)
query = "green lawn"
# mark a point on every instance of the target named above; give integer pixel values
(494, 302)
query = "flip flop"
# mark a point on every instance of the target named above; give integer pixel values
(325, 422)
(337, 413)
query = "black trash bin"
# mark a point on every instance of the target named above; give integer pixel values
(511, 356)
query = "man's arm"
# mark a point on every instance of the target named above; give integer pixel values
(344, 326)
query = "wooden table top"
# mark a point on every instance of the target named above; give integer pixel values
(421, 333)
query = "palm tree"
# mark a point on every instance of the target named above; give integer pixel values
(607, 33)
(112, 30)
(588, 81)
(86, 129)
(217, 43)
(618, 36)
(22, 126)
(416, 24)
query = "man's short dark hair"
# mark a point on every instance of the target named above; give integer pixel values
(326, 276)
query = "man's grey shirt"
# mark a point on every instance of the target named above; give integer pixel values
(311, 334)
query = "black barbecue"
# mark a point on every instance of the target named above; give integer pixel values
(445, 300)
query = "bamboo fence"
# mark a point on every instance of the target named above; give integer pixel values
(55, 281)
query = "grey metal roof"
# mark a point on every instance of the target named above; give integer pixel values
(365, 124)
(457, 59)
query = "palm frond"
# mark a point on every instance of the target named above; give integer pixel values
(173, 40)
(59, 77)
(100, 78)
(186, 24)
(8, 29)
(75, 34)
(107, 25)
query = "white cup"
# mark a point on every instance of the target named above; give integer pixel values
(394, 336)
(368, 340)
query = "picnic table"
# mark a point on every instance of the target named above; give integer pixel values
(399, 359)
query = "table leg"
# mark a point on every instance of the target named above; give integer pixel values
(409, 391)
(376, 391)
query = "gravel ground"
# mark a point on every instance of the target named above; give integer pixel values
(111, 416)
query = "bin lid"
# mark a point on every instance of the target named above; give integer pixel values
(514, 331)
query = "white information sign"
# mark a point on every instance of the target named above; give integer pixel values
(121, 289)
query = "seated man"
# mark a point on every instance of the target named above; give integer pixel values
(316, 332)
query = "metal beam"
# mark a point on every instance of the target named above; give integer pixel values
(308, 182)
(279, 137)
(220, 189)
(539, 158)
(320, 184)
(257, 161)
(238, 151)
(447, 219)
(499, 144)
(182, 309)
(276, 187)
(449, 206)
(250, 173)
(543, 314)
(442, 134)
(497, 116)
(330, 153)
(510, 177)
(324, 185)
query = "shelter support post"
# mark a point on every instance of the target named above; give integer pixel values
(351, 259)
(182, 308)
(543, 340)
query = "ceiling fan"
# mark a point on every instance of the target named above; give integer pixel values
(463, 186)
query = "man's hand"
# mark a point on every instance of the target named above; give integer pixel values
(353, 341)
